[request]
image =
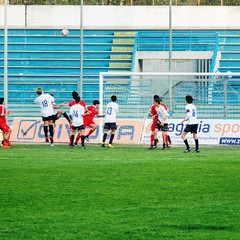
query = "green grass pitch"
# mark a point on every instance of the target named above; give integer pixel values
(128, 192)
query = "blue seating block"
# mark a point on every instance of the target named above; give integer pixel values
(43, 57)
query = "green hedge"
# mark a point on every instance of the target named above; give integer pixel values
(128, 2)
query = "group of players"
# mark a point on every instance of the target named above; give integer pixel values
(81, 116)
(159, 114)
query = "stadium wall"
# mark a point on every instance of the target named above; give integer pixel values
(123, 17)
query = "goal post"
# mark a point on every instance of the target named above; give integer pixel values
(216, 95)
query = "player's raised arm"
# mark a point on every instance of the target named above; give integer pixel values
(57, 106)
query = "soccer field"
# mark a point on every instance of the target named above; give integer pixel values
(128, 192)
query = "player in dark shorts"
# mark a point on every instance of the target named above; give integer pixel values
(192, 126)
(110, 121)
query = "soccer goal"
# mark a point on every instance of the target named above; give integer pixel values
(216, 95)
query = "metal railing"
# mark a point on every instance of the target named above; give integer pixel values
(215, 53)
(134, 52)
(181, 41)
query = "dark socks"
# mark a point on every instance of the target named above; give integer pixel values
(111, 138)
(104, 137)
(169, 140)
(82, 140)
(71, 139)
(51, 133)
(67, 117)
(196, 144)
(186, 143)
(45, 129)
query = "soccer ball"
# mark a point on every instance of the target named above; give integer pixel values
(65, 32)
(229, 74)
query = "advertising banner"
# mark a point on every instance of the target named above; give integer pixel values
(31, 130)
(210, 131)
(132, 131)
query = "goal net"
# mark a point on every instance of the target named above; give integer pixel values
(216, 95)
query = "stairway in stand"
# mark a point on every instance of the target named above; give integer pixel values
(229, 46)
(230, 53)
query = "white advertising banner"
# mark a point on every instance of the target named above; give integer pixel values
(210, 131)
(134, 131)
(31, 130)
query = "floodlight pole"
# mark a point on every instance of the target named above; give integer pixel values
(101, 106)
(225, 83)
(5, 55)
(170, 56)
(81, 51)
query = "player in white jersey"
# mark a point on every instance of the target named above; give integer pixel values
(110, 121)
(192, 124)
(45, 102)
(58, 114)
(162, 123)
(77, 111)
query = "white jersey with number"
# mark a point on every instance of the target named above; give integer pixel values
(111, 112)
(76, 111)
(191, 114)
(54, 109)
(162, 113)
(45, 102)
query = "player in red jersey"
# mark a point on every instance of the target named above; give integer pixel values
(154, 130)
(154, 133)
(73, 102)
(3, 124)
(88, 119)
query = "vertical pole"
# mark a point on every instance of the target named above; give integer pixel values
(170, 56)
(80, 84)
(225, 98)
(5, 55)
(101, 106)
(25, 14)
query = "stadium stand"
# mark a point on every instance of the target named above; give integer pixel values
(43, 57)
(46, 58)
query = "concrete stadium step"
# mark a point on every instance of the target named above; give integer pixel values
(23, 70)
(125, 34)
(62, 62)
(123, 41)
(123, 49)
(61, 54)
(120, 57)
(126, 65)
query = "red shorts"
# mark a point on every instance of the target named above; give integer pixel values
(153, 126)
(88, 123)
(5, 128)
